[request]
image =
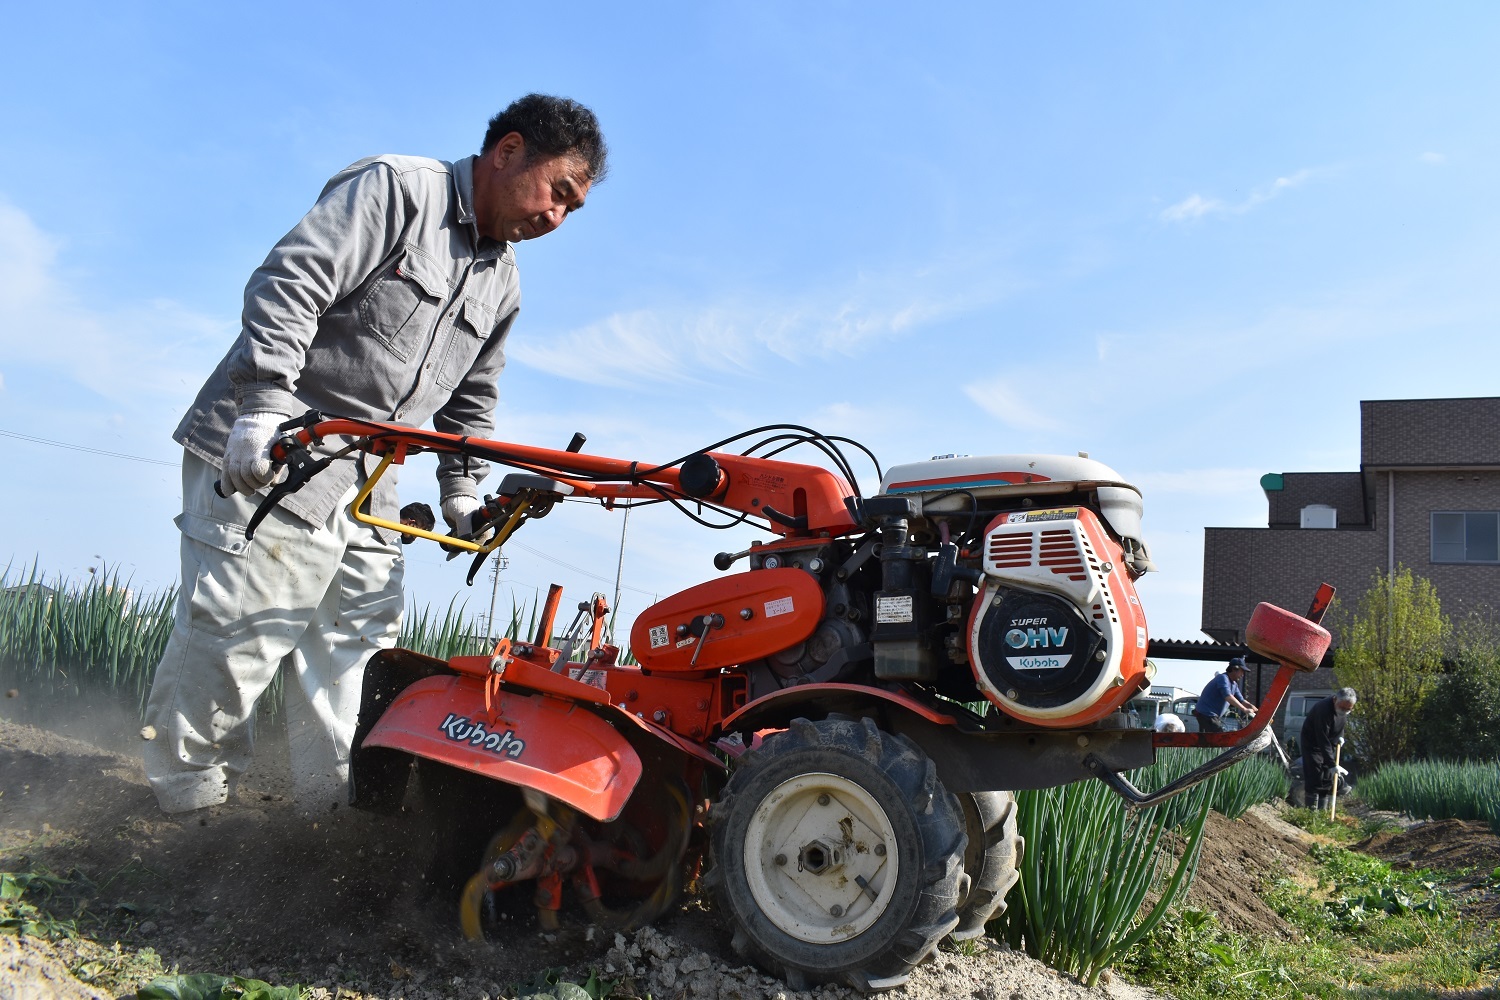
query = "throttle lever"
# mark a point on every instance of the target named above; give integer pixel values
(492, 513)
(301, 467)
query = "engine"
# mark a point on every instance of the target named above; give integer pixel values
(1005, 578)
(1035, 562)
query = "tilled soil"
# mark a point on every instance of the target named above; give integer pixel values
(1463, 846)
(339, 902)
(1240, 859)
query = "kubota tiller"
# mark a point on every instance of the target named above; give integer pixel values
(847, 717)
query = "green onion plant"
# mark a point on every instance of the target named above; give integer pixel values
(1097, 877)
(1435, 789)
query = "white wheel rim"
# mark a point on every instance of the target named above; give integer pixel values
(837, 853)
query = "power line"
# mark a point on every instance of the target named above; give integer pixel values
(552, 559)
(156, 461)
(91, 451)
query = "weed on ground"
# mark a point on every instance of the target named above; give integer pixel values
(1366, 930)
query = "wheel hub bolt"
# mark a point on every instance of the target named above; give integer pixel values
(823, 799)
(836, 910)
(781, 859)
(880, 850)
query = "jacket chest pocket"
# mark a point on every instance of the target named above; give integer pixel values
(470, 332)
(400, 308)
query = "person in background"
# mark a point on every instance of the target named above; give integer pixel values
(1321, 732)
(1221, 694)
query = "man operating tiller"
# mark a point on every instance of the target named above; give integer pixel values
(390, 300)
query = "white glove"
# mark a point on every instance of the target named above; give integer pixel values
(1342, 772)
(247, 456)
(458, 511)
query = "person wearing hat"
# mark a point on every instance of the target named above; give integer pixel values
(1222, 693)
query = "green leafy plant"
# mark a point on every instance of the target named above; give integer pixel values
(22, 916)
(1363, 876)
(1086, 884)
(206, 986)
(1461, 715)
(553, 982)
(1391, 652)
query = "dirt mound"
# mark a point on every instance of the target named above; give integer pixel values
(1446, 844)
(339, 901)
(33, 970)
(1240, 859)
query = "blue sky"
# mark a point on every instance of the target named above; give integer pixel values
(1184, 238)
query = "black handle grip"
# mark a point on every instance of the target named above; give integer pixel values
(796, 523)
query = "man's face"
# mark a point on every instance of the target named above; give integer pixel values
(1343, 707)
(521, 198)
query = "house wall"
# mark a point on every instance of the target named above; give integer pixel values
(1462, 588)
(1343, 491)
(1426, 456)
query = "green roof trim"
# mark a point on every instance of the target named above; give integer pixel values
(1272, 481)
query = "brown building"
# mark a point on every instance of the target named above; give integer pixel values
(1426, 496)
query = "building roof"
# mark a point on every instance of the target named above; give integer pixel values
(1430, 433)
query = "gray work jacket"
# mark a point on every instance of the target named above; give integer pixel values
(383, 303)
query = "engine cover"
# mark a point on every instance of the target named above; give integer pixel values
(1040, 647)
(1056, 634)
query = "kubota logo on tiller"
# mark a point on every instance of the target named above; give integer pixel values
(461, 730)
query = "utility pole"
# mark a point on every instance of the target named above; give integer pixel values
(495, 568)
(620, 563)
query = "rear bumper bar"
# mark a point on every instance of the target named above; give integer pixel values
(1298, 645)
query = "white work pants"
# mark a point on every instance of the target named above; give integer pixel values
(317, 601)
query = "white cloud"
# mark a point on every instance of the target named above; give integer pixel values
(1002, 402)
(1196, 206)
(1193, 207)
(1433, 158)
(124, 353)
(693, 344)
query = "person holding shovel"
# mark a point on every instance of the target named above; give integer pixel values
(1322, 732)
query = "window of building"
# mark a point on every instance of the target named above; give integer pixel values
(1469, 536)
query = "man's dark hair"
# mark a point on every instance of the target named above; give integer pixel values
(552, 126)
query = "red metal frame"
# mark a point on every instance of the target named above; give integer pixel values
(745, 484)
(1263, 715)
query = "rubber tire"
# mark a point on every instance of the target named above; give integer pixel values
(929, 829)
(991, 859)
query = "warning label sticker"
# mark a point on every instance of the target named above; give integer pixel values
(658, 636)
(1031, 516)
(890, 610)
(1140, 637)
(780, 606)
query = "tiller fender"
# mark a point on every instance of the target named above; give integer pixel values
(560, 748)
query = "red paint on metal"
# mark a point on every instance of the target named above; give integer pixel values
(1286, 638)
(1263, 716)
(785, 606)
(812, 692)
(558, 747)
